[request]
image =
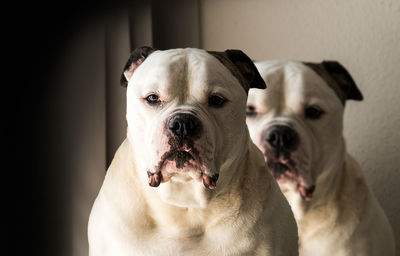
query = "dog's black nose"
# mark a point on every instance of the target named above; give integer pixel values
(282, 137)
(184, 125)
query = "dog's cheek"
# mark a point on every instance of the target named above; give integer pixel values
(231, 140)
(143, 130)
(311, 158)
(157, 139)
(307, 150)
(206, 145)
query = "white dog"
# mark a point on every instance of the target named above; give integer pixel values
(188, 180)
(298, 124)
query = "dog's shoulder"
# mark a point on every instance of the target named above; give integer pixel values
(370, 215)
(352, 190)
(350, 217)
(119, 209)
(275, 210)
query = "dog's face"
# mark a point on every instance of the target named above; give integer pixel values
(297, 123)
(186, 117)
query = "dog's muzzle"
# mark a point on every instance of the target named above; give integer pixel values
(183, 129)
(279, 142)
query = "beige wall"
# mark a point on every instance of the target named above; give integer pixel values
(364, 35)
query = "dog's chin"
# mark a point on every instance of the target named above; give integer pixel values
(288, 175)
(180, 163)
(282, 172)
(184, 182)
(179, 170)
(182, 167)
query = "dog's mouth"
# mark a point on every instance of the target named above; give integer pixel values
(281, 165)
(181, 161)
(284, 169)
(180, 158)
(306, 192)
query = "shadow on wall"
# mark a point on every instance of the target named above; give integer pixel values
(363, 35)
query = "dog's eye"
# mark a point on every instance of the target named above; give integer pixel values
(153, 99)
(216, 101)
(250, 111)
(313, 112)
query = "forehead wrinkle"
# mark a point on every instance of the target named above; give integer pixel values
(276, 90)
(175, 78)
(318, 87)
(320, 91)
(196, 75)
(208, 75)
(295, 85)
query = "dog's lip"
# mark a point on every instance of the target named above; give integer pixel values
(306, 192)
(285, 164)
(162, 175)
(290, 174)
(181, 151)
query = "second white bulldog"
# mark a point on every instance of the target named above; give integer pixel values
(188, 180)
(298, 124)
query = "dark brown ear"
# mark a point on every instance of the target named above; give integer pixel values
(137, 57)
(343, 78)
(242, 68)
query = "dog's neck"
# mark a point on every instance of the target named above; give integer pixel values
(148, 211)
(327, 183)
(180, 200)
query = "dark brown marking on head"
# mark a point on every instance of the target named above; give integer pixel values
(338, 78)
(242, 67)
(137, 57)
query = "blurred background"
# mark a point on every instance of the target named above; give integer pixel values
(73, 55)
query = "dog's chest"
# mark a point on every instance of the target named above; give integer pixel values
(194, 242)
(319, 234)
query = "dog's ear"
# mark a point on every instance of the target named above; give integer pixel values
(242, 68)
(137, 57)
(247, 68)
(343, 78)
(338, 78)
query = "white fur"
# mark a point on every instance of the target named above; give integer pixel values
(246, 214)
(343, 217)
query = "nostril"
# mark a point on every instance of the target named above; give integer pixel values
(190, 125)
(272, 138)
(174, 125)
(290, 138)
(287, 138)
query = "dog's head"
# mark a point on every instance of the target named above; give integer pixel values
(297, 123)
(186, 117)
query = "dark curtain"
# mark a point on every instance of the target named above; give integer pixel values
(79, 120)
